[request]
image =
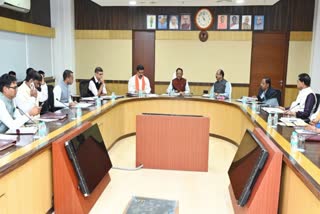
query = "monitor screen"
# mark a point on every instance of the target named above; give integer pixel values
(246, 166)
(89, 157)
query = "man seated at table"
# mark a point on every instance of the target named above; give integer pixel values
(139, 82)
(305, 102)
(179, 84)
(221, 87)
(96, 85)
(266, 93)
(62, 93)
(10, 117)
(27, 95)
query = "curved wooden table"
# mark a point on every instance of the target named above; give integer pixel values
(27, 168)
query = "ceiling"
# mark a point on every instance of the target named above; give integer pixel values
(185, 3)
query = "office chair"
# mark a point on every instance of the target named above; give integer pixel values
(83, 86)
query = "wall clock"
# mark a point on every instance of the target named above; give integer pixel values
(204, 19)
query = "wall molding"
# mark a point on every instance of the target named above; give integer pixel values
(301, 36)
(103, 34)
(16, 26)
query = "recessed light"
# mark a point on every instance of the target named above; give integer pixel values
(132, 2)
(239, 1)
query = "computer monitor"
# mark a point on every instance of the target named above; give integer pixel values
(246, 166)
(89, 157)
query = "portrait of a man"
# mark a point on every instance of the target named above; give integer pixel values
(185, 22)
(222, 22)
(258, 22)
(174, 22)
(246, 23)
(151, 21)
(162, 22)
(234, 22)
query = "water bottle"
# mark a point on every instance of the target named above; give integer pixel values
(275, 120)
(42, 129)
(244, 101)
(113, 96)
(79, 112)
(171, 93)
(254, 107)
(294, 140)
(140, 93)
(98, 102)
(269, 119)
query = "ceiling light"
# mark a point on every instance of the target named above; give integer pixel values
(132, 2)
(239, 1)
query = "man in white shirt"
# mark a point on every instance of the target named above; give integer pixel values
(10, 117)
(43, 93)
(27, 95)
(62, 92)
(96, 85)
(139, 82)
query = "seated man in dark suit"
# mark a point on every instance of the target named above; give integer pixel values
(266, 93)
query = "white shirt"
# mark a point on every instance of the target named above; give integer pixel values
(299, 103)
(10, 122)
(57, 95)
(24, 100)
(92, 87)
(43, 94)
(132, 84)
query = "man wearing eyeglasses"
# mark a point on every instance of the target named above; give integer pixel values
(10, 117)
(96, 85)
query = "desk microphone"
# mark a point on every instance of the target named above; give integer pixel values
(62, 103)
(293, 106)
(23, 113)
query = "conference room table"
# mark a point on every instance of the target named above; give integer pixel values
(26, 183)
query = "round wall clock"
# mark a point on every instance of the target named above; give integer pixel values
(204, 19)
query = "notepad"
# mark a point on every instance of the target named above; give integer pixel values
(273, 110)
(83, 105)
(6, 141)
(23, 131)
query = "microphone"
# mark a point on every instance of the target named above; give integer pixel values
(23, 113)
(293, 106)
(62, 103)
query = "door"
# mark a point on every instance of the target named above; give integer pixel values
(269, 59)
(143, 52)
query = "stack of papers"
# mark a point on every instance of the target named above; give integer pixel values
(7, 141)
(23, 130)
(291, 121)
(273, 110)
(83, 105)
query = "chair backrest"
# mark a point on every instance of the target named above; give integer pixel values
(83, 88)
(279, 96)
(317, 103)
(230, 86)
(50, 98)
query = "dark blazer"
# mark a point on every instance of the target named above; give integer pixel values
(271, 93)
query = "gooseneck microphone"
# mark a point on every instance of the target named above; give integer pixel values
(62, 103)
(293, 107)
(23, 113)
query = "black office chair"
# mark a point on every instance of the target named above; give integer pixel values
(83, 86)
(278, 96)
(50, 100)
(317, 103)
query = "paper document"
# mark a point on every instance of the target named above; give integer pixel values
(23, 130)
(83, 105)
(292, 121)
(273, 110)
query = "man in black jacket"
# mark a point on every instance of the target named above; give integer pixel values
(267, 94)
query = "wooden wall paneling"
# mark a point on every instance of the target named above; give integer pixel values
(269, 59)
(143, 52)
(285, 15)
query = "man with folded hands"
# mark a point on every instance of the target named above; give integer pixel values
(10, 117)
(179, 84)
(96, 85)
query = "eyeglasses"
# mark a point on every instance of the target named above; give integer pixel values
(14, 87)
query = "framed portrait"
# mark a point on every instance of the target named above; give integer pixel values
(174, 22)
(234, 21)
(185, 22)
(246, 22)
(222, 22)
(258, 23)
(162, 22)
(151, 21)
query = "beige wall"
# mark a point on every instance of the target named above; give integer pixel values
(231, 51)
